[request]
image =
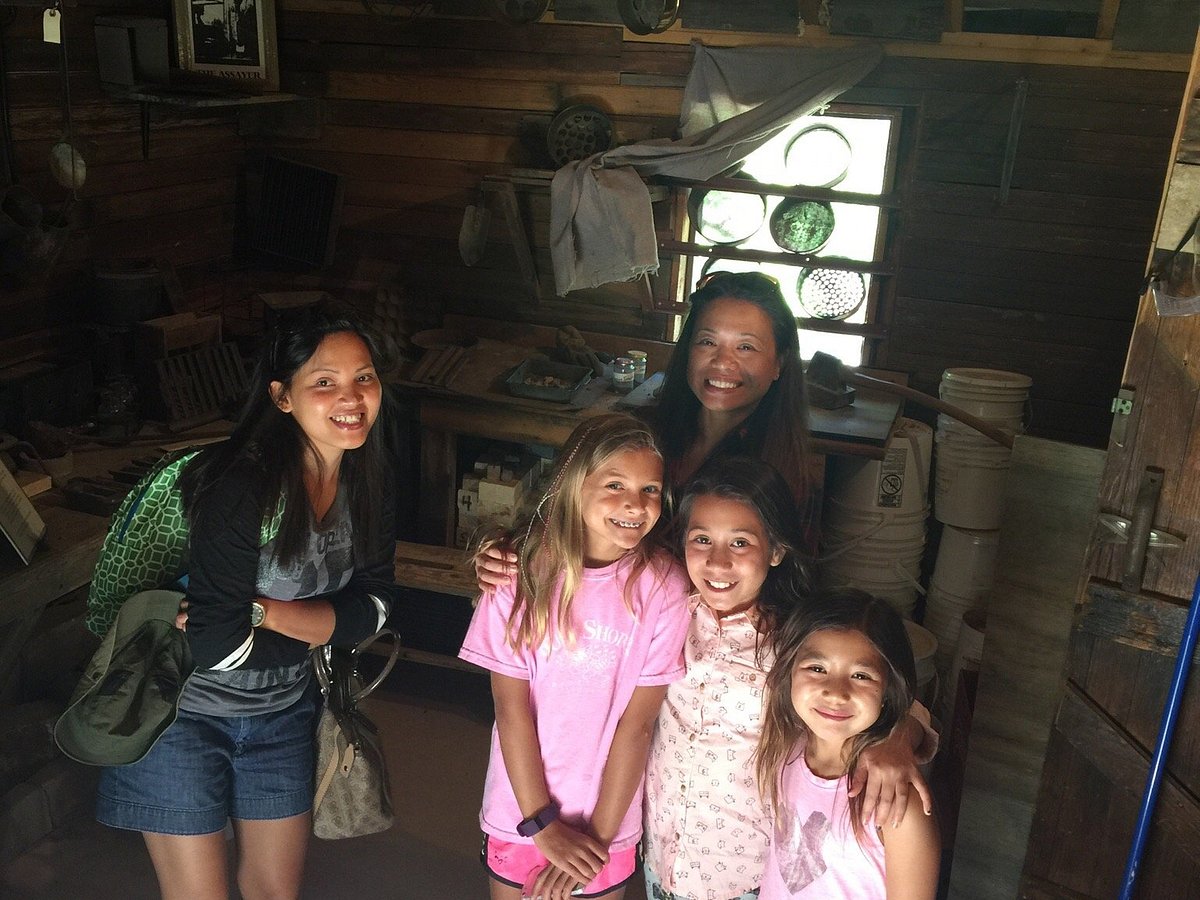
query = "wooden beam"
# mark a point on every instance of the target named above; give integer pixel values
(1106, 20)
(520, 242)
(954, 15)
(1147, 623)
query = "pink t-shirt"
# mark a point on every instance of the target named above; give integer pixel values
(814, 854)
(579, 690)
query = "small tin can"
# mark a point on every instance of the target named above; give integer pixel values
(623, 374)
(639, 364)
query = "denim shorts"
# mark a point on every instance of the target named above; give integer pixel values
(206, 769)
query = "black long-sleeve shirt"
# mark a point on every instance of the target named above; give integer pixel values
(227, 568)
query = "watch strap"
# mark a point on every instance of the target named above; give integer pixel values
(538, 821)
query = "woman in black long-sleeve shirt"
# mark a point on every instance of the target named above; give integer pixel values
(292, 545)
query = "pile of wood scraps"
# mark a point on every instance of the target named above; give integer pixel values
(100, 495)
(439, 365)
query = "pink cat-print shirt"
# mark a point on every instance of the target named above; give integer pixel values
(706, 831)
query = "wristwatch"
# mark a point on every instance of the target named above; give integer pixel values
(258, 612)
(538, 821)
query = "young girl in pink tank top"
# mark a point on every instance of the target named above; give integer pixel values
(581, 647)
(843, 677)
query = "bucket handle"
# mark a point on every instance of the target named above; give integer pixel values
(922, 467)
(855, 541)
(908, 577)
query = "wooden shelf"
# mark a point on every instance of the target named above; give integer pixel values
(165, 95)
(443, 570)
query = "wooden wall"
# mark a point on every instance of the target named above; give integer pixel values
(416, 111)
(1046, 283)
(177, 206)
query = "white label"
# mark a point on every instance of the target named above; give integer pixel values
(52, 27)
(891, 477)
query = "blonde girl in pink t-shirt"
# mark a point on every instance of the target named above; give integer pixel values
(581, 647)
(843, 678)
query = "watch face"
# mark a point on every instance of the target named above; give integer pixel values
(257, 614)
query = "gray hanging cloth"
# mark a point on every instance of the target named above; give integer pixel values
(735, 100)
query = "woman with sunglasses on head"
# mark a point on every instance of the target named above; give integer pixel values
(735, 385)
(292, 546)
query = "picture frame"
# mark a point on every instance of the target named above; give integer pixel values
(233, 40)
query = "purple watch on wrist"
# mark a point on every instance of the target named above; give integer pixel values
(538, 821)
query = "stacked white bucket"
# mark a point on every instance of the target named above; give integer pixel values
(874, 524)
(968, 499)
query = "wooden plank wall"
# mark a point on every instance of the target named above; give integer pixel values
(418, 110)
(421, 110)
(178, 206)
(1047, 282)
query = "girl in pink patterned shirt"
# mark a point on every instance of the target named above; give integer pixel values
(843, 679)
(581, 649)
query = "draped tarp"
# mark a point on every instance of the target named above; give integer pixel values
(736, 99)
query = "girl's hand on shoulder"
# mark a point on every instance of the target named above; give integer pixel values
(494, 567)
(576, 853)
(884, 776)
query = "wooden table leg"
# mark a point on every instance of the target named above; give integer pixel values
(436, 502)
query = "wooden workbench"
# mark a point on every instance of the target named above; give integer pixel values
(476, 403)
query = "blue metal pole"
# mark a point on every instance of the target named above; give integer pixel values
(1158, 763)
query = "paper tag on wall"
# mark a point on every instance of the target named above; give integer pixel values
(52, 26)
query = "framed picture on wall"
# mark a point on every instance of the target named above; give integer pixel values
(229, 39)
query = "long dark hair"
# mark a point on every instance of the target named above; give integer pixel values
(275, 445)
(777, 429)
(757, 485)
(843, 610)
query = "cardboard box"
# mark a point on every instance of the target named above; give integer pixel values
(499, 498)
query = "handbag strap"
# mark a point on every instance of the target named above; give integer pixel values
(344, 760)
(329, 668)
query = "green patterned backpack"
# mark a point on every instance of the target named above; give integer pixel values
(147, 542)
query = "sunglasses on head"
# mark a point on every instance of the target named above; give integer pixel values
(714, 277)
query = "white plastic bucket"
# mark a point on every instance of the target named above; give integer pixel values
(968, 655)
(899, 481)
(901, 596)
(846, 526)
(924, 648)
(969, 486)
(944, 611)
(986, 393)
(966, 561)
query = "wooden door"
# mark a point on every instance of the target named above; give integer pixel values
(1124, 642)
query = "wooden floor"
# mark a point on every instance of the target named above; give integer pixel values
(436, 724)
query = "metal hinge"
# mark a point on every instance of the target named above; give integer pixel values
(1122, 407)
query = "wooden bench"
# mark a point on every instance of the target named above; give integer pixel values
(443, 570)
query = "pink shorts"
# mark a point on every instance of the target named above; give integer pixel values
(512, 864)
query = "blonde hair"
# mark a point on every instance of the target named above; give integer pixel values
(551, 542)
(842, 610)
